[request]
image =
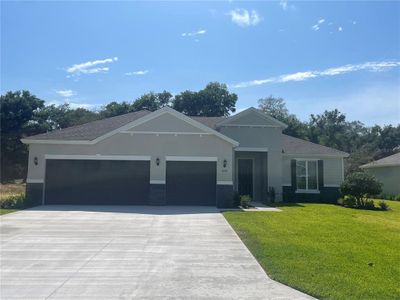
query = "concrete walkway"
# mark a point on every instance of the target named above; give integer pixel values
(129, 252)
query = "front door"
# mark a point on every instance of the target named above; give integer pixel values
(245, 177)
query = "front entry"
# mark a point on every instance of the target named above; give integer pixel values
(245, 176)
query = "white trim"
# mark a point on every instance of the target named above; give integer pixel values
(331, 185)
(98, 157)
(222, 182)
(144, 119)
(372, 166)
(306, 160)
(61, 142)
(165, 132)
(311, 155)
(249, 125)
(250, 110)
(157, 181)
(252, 149)
(307, 192)
(286, 184)
(342, 169)
(35, 181)
(191, 158)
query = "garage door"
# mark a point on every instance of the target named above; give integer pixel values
(191, 182)
(97, 181)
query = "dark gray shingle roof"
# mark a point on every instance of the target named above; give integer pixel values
(292, 145)
(93, 130)
(392, 160)
(90, 131)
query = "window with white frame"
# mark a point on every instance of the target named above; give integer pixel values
(307, 174)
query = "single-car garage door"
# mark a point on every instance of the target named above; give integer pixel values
(191, 182)
(70, 181)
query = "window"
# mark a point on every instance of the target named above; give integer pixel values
(306, 175)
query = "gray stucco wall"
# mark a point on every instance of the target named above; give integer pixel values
(260, 137)
(389, 177)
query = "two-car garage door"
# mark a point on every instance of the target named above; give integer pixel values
(80, 181)
(76, 181)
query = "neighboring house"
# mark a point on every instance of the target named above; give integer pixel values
(165, 157)
(387, 171)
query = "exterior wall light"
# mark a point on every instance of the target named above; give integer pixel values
(157, 161)
(225, 163)
(35, 161)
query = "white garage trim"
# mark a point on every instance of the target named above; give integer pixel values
(157, 181)
(191, 158)
(98, 157)
(221, 182)
(252, 149)
(34, 181)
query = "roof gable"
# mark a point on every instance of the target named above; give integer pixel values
(89, 133)
(251, 117)
(388, 161)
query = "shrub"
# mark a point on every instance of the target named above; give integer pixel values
(245, 201)
(397, 197)
(271, 194)
(236, 199)
(13, 201)
(383, 205)
(361, 186)
(368, 204)
(349, 201)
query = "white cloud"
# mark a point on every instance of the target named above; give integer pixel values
(199, 32)
(283, 4)
(301, 76)
(66, 93)
(137, 73)
(89, 67)
(340, 28)
(243, 17)
(316, 27)
(73, 105)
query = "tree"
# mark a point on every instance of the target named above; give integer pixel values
(115, 109)
(152, 101)
(276, 108)
(213, 101)
(17, 120)
(361, 186)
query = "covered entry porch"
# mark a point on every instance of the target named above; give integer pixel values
(251, 174)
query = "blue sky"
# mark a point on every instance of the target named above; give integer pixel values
(316, 55)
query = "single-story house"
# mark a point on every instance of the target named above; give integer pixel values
(165, 157)
(387, 171)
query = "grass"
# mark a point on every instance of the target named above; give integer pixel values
(4, 211)
(10, 190)
(325, 250)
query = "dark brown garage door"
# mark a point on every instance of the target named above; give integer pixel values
(97, 182)
(191, 183)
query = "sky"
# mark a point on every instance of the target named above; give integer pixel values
(317, 55)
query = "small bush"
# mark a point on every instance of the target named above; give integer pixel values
(349, 201)
(361, 186)
(383, 205)
(397, 197)
(236, 199)
(368, 204)
(271, 194)
(14, 201)
(245, 201)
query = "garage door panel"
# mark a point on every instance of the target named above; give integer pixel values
(191, 183)
(97, 182)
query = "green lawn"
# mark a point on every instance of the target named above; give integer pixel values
(4, 211)
(327, 251)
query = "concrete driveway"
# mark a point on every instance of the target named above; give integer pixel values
(129, 252)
